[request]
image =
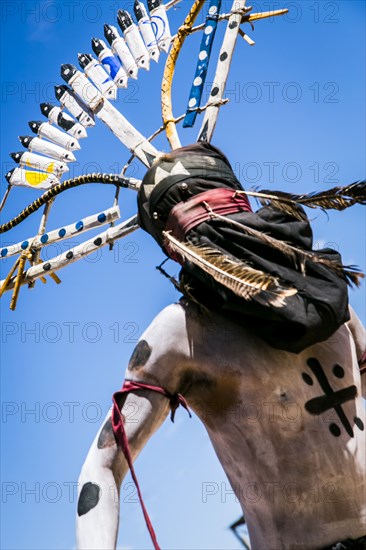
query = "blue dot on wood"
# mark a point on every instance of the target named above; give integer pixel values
(79, 225)
(4, 252)
(62, 232)
(25, 245)
(102, 218)
(44, 238)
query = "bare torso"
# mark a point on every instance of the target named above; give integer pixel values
(299, 475)
(288, 429)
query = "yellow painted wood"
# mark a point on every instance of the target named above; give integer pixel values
(166, 85)
(35, 178)
(9, 276)
(56, 278)
(264, 15)
(49, 169)
(18, 281)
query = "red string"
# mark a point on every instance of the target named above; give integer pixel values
(121, 436)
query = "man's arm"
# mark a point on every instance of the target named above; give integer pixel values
(105, 468)
(156, 360)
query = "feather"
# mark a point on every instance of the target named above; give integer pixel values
(298, 255)
(234, 274)
(337, 198)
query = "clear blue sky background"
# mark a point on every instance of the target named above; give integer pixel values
(297, 100)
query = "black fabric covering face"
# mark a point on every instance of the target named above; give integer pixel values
(208, 168)
(310, 316)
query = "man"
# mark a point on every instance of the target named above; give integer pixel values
(278, 341)
(305, 455)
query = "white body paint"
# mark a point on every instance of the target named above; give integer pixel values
(220, 367)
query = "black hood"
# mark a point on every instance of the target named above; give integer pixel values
(177, 176)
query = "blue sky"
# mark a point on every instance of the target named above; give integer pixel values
(296, 122)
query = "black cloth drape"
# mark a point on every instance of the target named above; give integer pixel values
(321, 303)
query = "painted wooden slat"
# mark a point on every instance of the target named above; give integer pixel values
(30, 178)
(110, 62)
(222, 70)
(146, 30)
(160, 22)
(65, 121)
(134, 40)
(166, 84)
(116, 122)
(65, 232)
(77, 253)
(98, 75)
(47, 148)
(127, 134)
(52, 133)
(208, 36)
(120, 48)
(74, 105)
(26, 159)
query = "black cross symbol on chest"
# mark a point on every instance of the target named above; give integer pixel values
(330, 399)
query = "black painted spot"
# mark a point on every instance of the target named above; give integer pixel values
(233, 24)
(307, 379)
(334, 430)
(223, 56)
(359, 423)
(47, 266)
(215, 91)
(89, 498)
(98, 241)
(69, 255)
(106, 437)
(140, 355)
(338, 371)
